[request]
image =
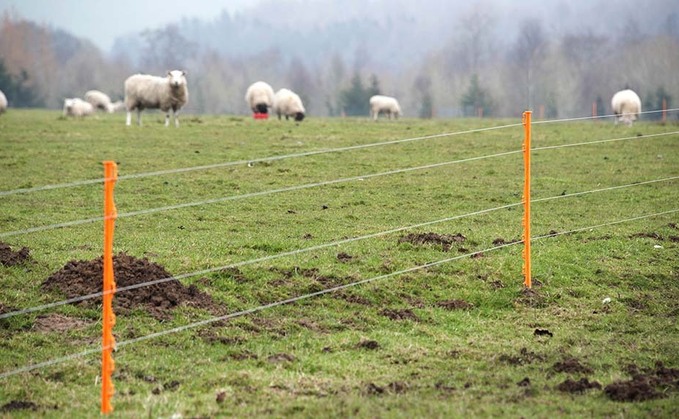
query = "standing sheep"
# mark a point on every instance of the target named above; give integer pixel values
(143, 91)
(259, 97)
(99, 100)
(385, 104)
(3, 102)
(286, 102)
(626, 106)
(77, 107)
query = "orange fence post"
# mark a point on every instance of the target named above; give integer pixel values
(526, 200)
(109, 319)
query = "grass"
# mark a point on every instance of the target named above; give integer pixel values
(347, 353)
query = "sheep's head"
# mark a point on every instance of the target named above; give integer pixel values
(177, 78)
(299, 116)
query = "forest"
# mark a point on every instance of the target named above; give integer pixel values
(475, 61)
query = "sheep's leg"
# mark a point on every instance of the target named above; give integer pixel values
(139, 117)
(176, 119)
(129, 118)
(167, 118)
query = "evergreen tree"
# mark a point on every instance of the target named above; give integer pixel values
(19, 93)
(355, 100)
(476, 98)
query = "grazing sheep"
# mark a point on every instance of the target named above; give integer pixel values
(99, 100)
(143, 91)
(385, 104)
(77, 107)
(259, 97)
(286, 102)
(118, 105)
(3, 102)
(626, 106)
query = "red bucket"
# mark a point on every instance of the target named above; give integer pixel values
(258, 115)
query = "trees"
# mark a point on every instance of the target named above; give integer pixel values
(18, 89)
(476, 100)
(355, 100)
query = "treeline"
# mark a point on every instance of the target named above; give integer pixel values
(474, 71)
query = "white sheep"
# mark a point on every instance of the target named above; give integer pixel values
(77, 107)
(3, 102)
(99, 100)
(118, 105)
(259, 97)
(385, 104)
(626, 106)
(143, 91)
(286, 102)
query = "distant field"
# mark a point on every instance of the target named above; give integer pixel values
(418, 241)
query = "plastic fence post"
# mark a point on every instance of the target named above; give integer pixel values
(109, 319)
(526, 200)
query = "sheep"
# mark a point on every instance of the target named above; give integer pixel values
(286, 102)
(259, 97)
(144, 91)
(385, 104)
(99, 100)
(3, 102)
(77, 107)
(118, 105)
(626, 106)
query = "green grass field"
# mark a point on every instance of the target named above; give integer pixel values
(296, 216)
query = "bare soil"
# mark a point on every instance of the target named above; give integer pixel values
(12, 258)
(78, 278)
(446, 241)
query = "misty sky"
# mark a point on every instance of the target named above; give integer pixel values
(101, 21)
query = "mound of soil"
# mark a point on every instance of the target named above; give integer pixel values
(647, 385)
(455, 305)
(10, 258)
(445, 240)
(579, 387)
(79, 278)
(571, 365)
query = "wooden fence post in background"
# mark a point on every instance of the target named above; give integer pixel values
(526, 200)
(109, 318)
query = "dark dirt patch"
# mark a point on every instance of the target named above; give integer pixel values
(478, 255)
(500, 241)
(18, 405)
(352, 298)
(281, 358)
(398, 387)
(10, 258)
(444, 240)
(543, 332)
(647, 384)
(579, 387)
(572, 366)
(525, 357)
(79, 278)
(455, 305)
(372, 389)
(530, 297)
(344, 257)
(399, 314)
(651, 235)
(242, 355)
(171, 386)
(312, 325)
(673, 225)
(524, 383)
(59, 323)
(674, 239)
(368, 344)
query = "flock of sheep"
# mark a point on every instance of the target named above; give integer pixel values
(171, 93)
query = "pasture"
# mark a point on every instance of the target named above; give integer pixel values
(418, 241)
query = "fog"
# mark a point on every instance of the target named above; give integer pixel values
(441, 58)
